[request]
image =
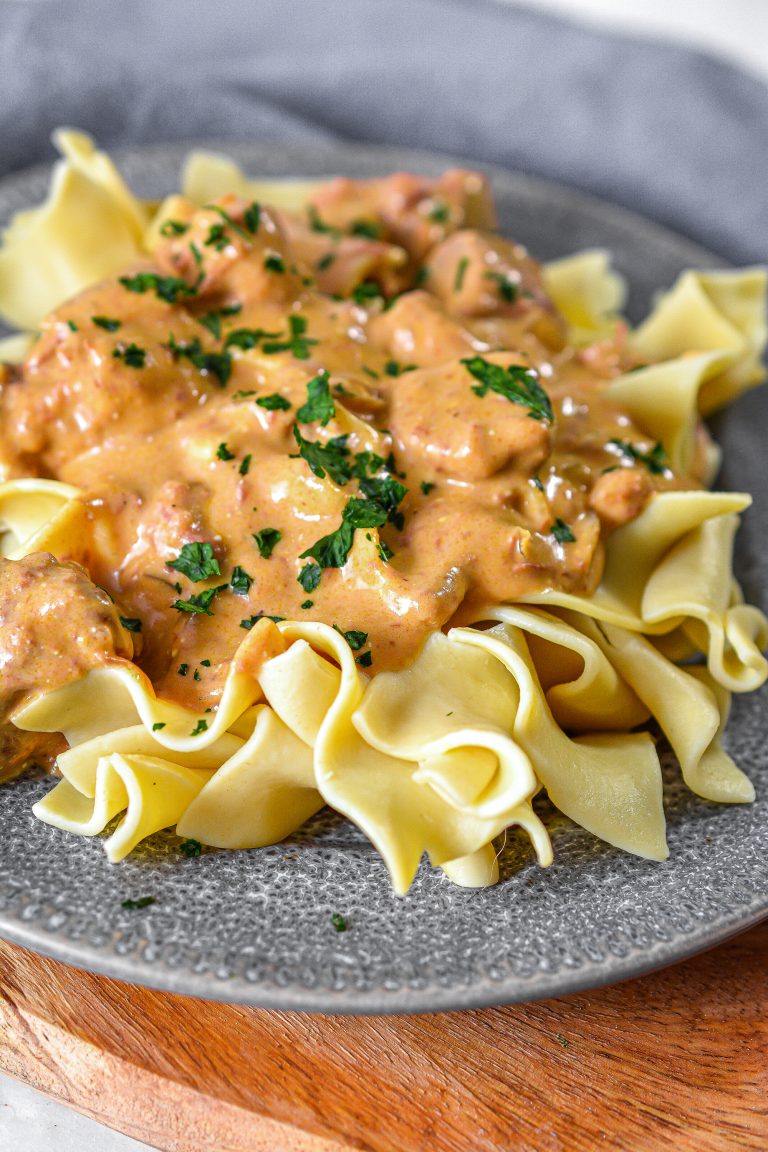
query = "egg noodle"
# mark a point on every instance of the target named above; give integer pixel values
(327, 494)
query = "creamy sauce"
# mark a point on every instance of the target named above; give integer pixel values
(152, 410)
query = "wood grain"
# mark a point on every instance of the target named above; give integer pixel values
(674, 1060)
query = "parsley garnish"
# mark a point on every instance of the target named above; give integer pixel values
(274, 263)
(200, 602)
(388, 493)
(182, 669)
(212, 320)
(366, 292)
(106, 322)
(385, 552)
(131, 623)
(274, 403)
(355, 639)
(319, 405)
(251, 620)
(365, 659)
(131, 355)
(266, 540)
(438, 214)
(190, 848)
(173, 228)
(252, 217)
(508, 290)
(245, 464)
(217, 237)
(331, 458)
(297, 344)
(196, 675)
(392, 368)
(160, 724)
(223, 452)
(247, 338)
(426, 487)
(515, 382)
(562, 532)
(309, 577)
(199, 728)
(218, 364)
(368, 228)
(142, 902)
(233, 224)
(317, 225)
(240, 582)
(307, 604)
(325, 261)
(461, 269)
(72, 326)
(167, 288)
(196, 562)
(537, 483)
(339, 922)
(196, 253)
(331, 551)
(656, 461)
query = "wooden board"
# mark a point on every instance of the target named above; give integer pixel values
(674, 1060)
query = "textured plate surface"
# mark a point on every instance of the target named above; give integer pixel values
(255, 926)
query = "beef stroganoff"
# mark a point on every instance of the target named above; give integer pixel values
(329, 493)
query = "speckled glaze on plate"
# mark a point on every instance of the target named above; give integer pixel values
(255, 926)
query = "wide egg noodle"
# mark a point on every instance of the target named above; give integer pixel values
(723, 312)
(377, 791)
(39, 516)
(207, 176)
(609, 783)
(90, 227)
(587, 292)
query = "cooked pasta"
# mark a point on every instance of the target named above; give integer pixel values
(326, 493)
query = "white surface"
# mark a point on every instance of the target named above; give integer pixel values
(734, 29)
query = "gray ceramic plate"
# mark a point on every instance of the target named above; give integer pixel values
(256, 926)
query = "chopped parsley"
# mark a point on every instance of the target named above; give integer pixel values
(537, 483)
(325, 261)
(142, 902)
(182, 669)
(247, 338)
(251, 620)
(309, 577)
(439, 212)
(160, 724)
(217, 237)
(131, 354)
(562, 532)
(366, 292)
(197, 255)
(515, 382)
(72, 326)
(106, 322)
(131, 623)
(199, 728)
(274, 403)
(266, 540)
(223, 452)
(355, 639)
(252, 217)
(365, 659)
(367, 228)
(196, 562)
(656, 461)
(319, 405)
(240, 582)
(218, 364)
(190, 848)
(388, 493)
(392, 368)
(426, 487)
(508, 290)
(196, 675)
(385, 552)
(212, 320)
(307, 604)
(297, 343)
(317, 225)
(173, 228)
(274, 263)
(199, 603)
(167, 288)
(339, 922)
(331, 458)
(461, 271)
(205, 663)
(331, 551)
(233, 224)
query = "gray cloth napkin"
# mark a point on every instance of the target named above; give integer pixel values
(668, 131)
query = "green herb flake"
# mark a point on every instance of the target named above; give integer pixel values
(317, 225)
(508, 290)
(196, 562)
(656, 461)
(217, 238)
(142, 902)
(107, 323)
(217, 364)
(325, 261)
(72, 326)
(223, 452)
(339, 922)
(199, 728)
(252, 217)
(212, 320)
(307, 604)
(158, 726)
(173, 228)
(233, 224)
(197, 255)
(182, 669)
(355, 639)
(367, 228)
(131, 354)
(331, 551)
(167, 288)
(274, 403)
(297, 343)
(131, 623)
(274, 263)
(310, 576)
(319, 405)
(331, 458)
(205, 663)
(426, 487)
(245, 464)
(200, 603)
(190, 848)
(515, 383)
(461, 271)
(562, 532)
(196, 675)
(365, 659)
(366, 292)
(251, 620)
(240, 581)
(266, 540)
(537, 483)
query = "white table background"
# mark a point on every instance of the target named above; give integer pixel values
(736, 30)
